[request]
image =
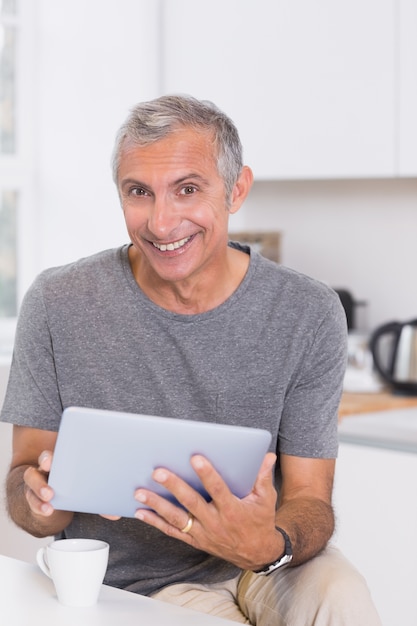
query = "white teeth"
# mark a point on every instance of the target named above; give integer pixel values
(171, 246)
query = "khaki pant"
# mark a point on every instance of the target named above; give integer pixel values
(326, 591)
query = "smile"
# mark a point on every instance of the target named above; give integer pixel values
(174, 245)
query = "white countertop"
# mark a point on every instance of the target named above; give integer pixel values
(395, 429)
(28, 597)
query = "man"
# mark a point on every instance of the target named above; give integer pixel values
(182, 323)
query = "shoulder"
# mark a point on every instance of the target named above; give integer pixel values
(290, 288)
(56, 287)
(85, 273)
(84, 266)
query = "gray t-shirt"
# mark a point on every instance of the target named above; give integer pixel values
(271, 356)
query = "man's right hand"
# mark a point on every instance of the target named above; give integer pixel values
(28, 493)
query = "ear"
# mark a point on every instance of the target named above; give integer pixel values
(241, 189)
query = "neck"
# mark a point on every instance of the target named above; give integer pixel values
(195, 294)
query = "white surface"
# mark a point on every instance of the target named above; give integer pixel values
(407, 92)
(376, 507)
(361, 381)
(77, 112)
(28, 597)
(312, 90)
(395, 429)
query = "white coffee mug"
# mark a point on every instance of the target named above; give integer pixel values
(77, 568)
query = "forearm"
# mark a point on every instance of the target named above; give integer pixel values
(309, 522)
(21, 513)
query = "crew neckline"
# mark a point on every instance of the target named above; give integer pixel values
(190, 317)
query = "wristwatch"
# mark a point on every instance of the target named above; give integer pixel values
(284, 559)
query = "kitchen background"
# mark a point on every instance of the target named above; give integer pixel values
(324, 94)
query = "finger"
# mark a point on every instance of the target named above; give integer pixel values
(212, 482)
(45, 461)
(219, 491)
(184, 493)
(37, 492)
(264, 489)
(264, 480)
(164, 507)
(36, 481)
(112, 518)
(162, 512)
(163, 515)
(38, 506)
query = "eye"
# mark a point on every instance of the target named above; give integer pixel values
(188, 190)
(138, 191)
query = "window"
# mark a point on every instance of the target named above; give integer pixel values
(8, 156)
(8, 254)
(9, 187)
(17, 198)
(8, 55)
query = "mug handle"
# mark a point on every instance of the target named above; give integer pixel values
(41, 561)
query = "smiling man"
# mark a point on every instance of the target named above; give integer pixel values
(183, 323)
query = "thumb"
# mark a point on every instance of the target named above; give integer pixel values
(264, 478)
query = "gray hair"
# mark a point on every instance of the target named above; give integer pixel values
(150, 121)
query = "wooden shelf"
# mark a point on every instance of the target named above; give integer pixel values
(353, 403)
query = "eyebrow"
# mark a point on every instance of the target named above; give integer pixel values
(178, 181)
(131, 181)
(193, 175)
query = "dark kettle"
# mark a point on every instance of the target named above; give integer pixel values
(394, 350)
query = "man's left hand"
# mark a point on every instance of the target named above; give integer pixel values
(241, 531)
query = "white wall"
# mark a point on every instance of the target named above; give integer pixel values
(357, 234)
(94, 60)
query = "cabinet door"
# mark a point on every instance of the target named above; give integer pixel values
(376, 514)
(407, 92)
(309, 83)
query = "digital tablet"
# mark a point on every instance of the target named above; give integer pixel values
(102, 457)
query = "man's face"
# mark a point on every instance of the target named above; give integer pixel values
(174, 204)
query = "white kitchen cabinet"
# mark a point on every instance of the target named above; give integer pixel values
(311, 85)
(376, 512)
(407, 87)
(376, 507)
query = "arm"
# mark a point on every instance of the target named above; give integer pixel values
(305, 509)
(27, 490)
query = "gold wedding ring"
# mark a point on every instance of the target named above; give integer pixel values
(189, 524)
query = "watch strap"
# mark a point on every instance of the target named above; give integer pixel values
(284, 559)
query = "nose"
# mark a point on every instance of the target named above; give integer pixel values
(162, 219)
